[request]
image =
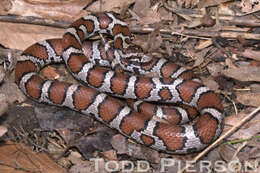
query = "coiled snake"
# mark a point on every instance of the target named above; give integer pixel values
(172, 86)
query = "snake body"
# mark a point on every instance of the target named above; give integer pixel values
(172, 86)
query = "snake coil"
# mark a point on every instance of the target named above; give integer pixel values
(172, 86)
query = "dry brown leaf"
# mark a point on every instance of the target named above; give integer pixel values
(207, 20)
(227, 152)
(248, 98)
(3, 130)
(255, 88)
(110, 154)
(165, 14)
(110, 5)
(149, 43)
(203, 44)
(200, 56)
(154, 41)
(249, 129)
(146, 14)
(20, 36)
(132, 149)
(194, 23)
(151, 17)
(210, 82)
(4, 104)
(5, 6)
(252, 54)
(15, 158)
(207, 3)
(141, 6)
(230, 63)
(198, 61)
(49, 10)
(243, 73)
(120, 144)
(215, 69)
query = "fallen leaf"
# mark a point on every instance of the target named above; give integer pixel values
(207, 3)
(99, 140)
(4, 104)
(123, 146)
(207, 20)
(215, 69)
(200, 56)
(5, 6)
(62, 11)
(248, 98)
(210, 82)
(248, 130)
(21, 36)
(12, 92)
(151, 17)
(252, 54)
(154, 42)
(3, 130)
(69, 124)
(255, 88)
(110, 154)
(111, 5)
(243, 73)
(18, 158)
(194, 23)
(227, 152)
(141, 6)
(165, 14)
(203, 44)
(224, 83)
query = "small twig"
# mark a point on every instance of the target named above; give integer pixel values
(242, 89)
(195, 32)
(191, 36)
(33, 20)
(229, 132)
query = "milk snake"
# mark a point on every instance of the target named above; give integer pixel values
(172, 86)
